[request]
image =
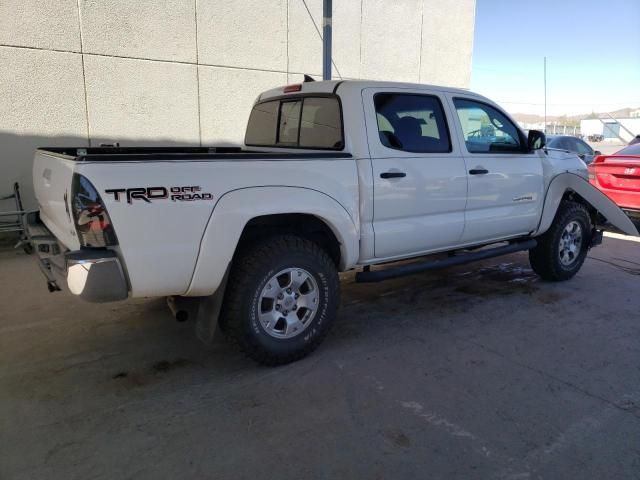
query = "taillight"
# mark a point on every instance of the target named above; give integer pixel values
(90, 215)
(292, 88)
(591, 168)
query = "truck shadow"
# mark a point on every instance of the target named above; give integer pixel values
(366, 310)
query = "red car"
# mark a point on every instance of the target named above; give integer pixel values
(618, 177)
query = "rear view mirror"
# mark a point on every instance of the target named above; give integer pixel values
(536, 140)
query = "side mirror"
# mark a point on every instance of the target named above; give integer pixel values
(536, 140)
(597, 152)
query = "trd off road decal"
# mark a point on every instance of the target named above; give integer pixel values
(176, 194)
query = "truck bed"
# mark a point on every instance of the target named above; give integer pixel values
(137, 154)
(160, 240)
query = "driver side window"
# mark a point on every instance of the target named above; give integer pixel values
(486, 129)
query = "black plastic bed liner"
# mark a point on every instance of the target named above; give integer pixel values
(123, 154)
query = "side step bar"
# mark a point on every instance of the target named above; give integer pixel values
(368, 276)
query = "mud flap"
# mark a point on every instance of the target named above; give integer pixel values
(598, 200)
(209, 312)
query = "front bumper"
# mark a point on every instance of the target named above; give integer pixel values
(95, 275)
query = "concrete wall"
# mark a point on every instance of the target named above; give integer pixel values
(593, 126)
(185, 72)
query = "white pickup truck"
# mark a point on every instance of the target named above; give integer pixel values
(334, 176)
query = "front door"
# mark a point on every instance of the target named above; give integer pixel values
(506, 187)
(419, 176)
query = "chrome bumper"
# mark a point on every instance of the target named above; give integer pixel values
(94, 275)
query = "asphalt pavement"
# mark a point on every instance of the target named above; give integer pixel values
(481, 371)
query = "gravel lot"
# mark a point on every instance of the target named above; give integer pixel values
(480, 371)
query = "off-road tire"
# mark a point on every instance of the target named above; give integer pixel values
(545, 257)
(252, 268)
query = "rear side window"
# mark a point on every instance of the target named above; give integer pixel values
(412, 123)
(302, 122)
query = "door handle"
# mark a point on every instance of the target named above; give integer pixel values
(478, 171)
(392, 175)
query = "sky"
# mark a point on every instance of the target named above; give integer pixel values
(592, 49)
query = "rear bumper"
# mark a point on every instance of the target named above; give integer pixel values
(95, 275)
(632, 212)
(628, 200)
(634, 216)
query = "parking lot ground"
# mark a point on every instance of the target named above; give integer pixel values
(481, 371)
(608, 147)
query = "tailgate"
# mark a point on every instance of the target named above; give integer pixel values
(52, 176)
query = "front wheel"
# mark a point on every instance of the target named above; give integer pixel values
(562, 249)
(281, 300)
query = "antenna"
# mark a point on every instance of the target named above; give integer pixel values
(545, 95)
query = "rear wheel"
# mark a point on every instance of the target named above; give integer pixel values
(562, 249)
(281, 300)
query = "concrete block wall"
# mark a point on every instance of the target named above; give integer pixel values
(186, 72)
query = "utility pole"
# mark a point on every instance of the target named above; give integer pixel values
(545, 94)
(326, 39)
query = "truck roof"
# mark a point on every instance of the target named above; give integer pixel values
(330, 86)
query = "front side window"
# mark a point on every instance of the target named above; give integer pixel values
(297, 122)
(412, 123)
(486, 129)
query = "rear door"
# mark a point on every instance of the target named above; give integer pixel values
(419, 177)
(506, 187)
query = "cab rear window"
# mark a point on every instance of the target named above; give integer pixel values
(308, 122)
